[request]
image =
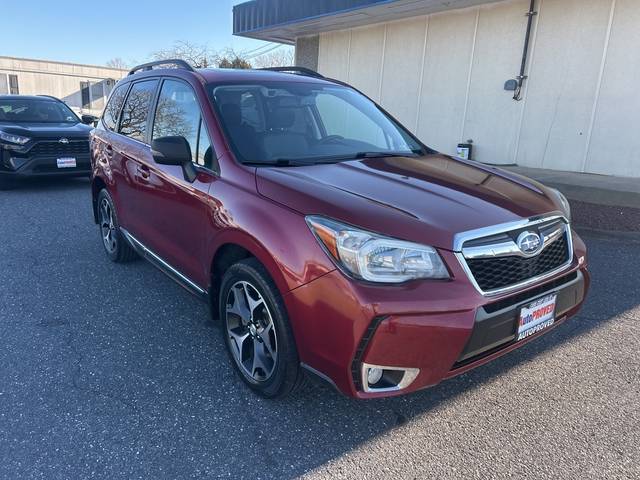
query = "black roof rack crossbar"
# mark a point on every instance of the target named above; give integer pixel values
(298, 70)
(176, 62)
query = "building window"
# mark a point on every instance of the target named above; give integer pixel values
(97, 96)
(86, 96)
(4, 84)
(94, 94)
(13, 85)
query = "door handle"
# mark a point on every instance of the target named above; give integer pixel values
(143, 171)
(108, 151)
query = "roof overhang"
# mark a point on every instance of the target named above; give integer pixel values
(285, 20)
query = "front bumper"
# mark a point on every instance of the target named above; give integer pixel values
(42, 166)
(442, 328)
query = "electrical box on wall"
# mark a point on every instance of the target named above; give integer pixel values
(511, 85)
(465, 150)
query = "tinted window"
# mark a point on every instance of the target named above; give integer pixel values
(178, 114)
(274, 122)
(110, 116)
(28, 110)
(249, 111)
(136, 109)
(340, 118)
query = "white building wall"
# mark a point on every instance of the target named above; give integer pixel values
(615, 141)
(61, 80)
(442, 75)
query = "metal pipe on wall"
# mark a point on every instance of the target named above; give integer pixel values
(525, 53)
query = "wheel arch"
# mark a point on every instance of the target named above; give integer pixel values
(232, 246)
(97, 185)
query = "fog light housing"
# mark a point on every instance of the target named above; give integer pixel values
(379, 378)
(16, 162)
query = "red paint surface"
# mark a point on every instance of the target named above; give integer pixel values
(426, 200)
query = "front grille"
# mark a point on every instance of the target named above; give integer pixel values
(57, 148)
(501, 272)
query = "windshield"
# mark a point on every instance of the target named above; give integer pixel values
(30, 110)
(282, 123)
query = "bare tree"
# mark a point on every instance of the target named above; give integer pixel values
(279, 58)
(172, 120)
(133, 119)
(201, 56)
(198, 56)
(230, 58)
(117, 62)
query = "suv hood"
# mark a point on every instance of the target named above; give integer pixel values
(47, 130)
(421, 199)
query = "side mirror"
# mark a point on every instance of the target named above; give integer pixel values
(89, 119)
(174, 151)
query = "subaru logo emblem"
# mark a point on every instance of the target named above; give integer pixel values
(63, 140)
(529, 243)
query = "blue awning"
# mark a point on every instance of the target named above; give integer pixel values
(285, 20)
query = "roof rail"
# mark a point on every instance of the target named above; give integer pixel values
(297, 70)
(176, 62)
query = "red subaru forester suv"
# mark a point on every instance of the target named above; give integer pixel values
(325, 236)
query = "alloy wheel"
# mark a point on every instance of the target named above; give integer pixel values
(251, 332)
(107, 226)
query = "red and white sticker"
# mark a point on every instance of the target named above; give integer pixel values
(67, 162)
(537, 316)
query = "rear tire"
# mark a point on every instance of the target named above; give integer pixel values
(115, 244)
(256, 331)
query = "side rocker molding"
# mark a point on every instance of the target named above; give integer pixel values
(165, 267)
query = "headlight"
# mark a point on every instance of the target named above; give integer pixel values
(11, 138)
(563, 200)
(375, 258)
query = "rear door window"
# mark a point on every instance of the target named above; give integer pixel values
(111, 113)
(135, 112)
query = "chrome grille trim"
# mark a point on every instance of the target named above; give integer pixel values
(509, 248)
(503, 249)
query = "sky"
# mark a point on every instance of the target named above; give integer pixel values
(94, 32)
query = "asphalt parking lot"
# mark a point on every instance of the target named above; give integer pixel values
(111, 371)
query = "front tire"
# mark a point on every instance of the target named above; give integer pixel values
(115, 245)
(256, 331)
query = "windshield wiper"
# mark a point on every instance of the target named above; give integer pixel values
(278, 162)
(410, 153)
(295, 162)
